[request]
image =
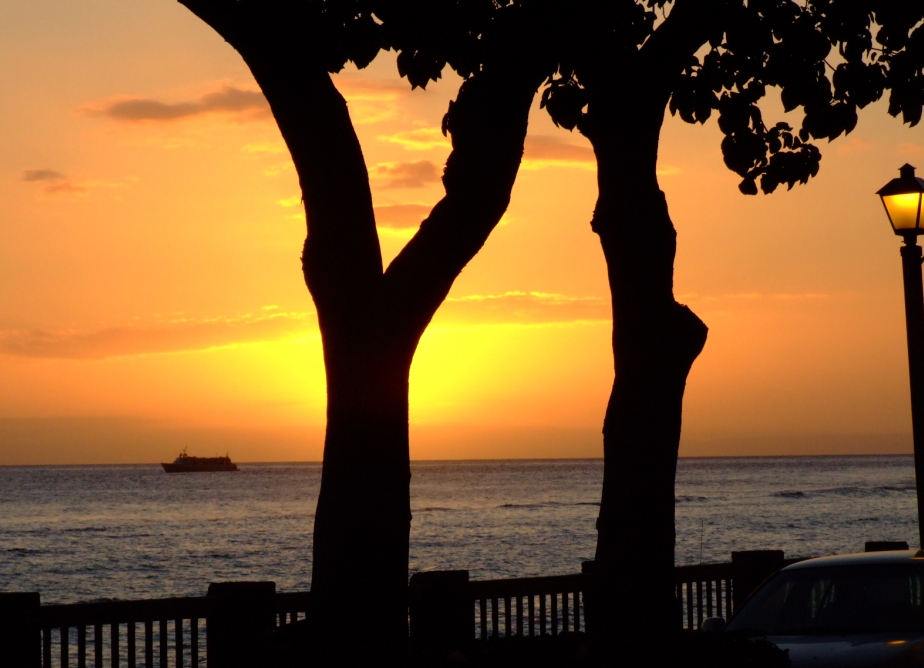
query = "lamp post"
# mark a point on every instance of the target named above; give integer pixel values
(901, 198)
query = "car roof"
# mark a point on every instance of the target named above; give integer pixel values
(861, 559)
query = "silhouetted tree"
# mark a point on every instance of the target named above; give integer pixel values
(623, 63)
(372, 318)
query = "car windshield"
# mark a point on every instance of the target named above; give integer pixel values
(836, 600)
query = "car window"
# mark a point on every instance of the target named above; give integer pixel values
(844, 599)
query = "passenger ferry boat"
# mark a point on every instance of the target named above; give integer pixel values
(186, 464)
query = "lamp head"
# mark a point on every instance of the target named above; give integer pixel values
(902, 198)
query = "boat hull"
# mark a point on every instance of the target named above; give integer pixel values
(199, 468)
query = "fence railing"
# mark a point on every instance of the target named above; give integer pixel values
(704, 591)
(87, 634)
(445, 609)
(716, 590)
(291, 607)
(527, 606)
(166, 633)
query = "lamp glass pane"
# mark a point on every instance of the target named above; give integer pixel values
(903, 210)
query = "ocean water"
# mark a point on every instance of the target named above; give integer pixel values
(104, 532)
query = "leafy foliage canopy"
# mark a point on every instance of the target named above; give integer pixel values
(828, 58)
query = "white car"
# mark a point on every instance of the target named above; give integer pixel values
(848, 611)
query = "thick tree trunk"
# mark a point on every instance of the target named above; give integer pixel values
(655, 342)
(362, 524)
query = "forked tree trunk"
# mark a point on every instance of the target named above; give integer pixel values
(371, 319)
(362, 524)
(655, 341)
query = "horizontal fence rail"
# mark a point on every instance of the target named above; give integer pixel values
(527, 606)
(154, 633)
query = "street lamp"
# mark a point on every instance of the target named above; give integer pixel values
(901, 198)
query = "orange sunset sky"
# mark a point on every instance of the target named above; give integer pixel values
(151, 296)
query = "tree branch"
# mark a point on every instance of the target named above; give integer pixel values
(342, 259)
(488, 124)
(679, 37)
(219, 15)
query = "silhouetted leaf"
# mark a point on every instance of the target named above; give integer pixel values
(565, 101)
(748, 187)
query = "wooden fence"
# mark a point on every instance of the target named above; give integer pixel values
(530, 606)
(527, 606)
(174, 632)
(704, 591)
(167, 632)
(120, 630)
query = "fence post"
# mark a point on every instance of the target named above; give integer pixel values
(884, 545)
(240, 619)
(20, 632)
(750, 568)
(442, 613)
(589, 585)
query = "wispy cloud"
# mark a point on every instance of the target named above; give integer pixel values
(55, 182)
(278, 168)
(401, 216)
(854, 145)
(421, 139)
(387, 216)
(800, 295)
(747, 297)
(182, 334)
(273, 150)
(65, 188)
(174, 336)
(525, 307)
(544, 151)
(355, 87)
(289, 202)
(264, 148)
(404, 174)
(370, 100)
(42, 175)
(908, 147)
(239, 103)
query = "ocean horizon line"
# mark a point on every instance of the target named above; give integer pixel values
(520, 460)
